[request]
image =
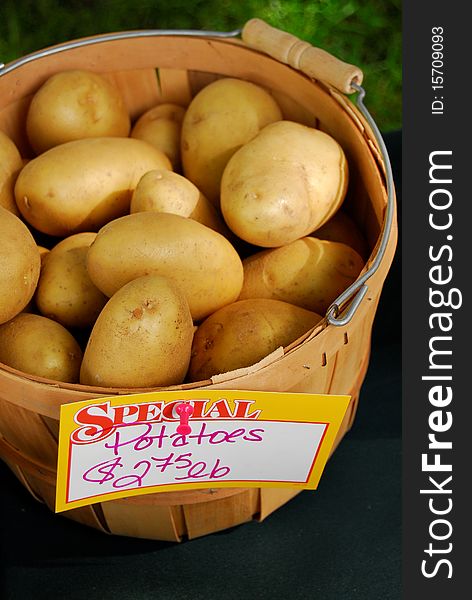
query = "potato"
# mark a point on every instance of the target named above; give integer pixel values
(284, 184)
(309, 272)
(10, 165)
(72, 105)
(65, 292)
(142, 338)
(31, 306)
(43, 252)
(241, 334)
(220, 119)
(161, 127)
(78, 240)
(81, 185)
(38, 346)
(202, 263)
(341, 228)
(19, 265)
(166, 191)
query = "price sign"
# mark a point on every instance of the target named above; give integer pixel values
(146, 443)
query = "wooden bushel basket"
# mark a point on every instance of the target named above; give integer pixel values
(152, 67)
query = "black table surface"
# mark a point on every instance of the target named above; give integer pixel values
(342, 541)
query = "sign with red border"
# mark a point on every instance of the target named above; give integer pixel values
(145, 443)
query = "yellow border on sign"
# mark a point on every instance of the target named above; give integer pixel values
(274, 406)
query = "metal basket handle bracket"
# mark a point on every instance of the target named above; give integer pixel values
(314, 62)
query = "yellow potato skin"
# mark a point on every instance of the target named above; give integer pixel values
(81, 185)
(341, 228)
(283, 184)
(20, 264)
(38, 346)
(221, 118)
(161, 126)
(72, 105)
(43, 252)
(77, 240)
(11, 164)
(309, 273)
(200, 261)
(166, 191)
(142, 337)
(241, 334)
(65, 292)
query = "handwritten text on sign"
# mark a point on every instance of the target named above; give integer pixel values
(123, 446)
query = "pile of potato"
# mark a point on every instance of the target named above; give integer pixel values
(193, 242)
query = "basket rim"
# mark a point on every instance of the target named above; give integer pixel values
(16, 63)
(224, 37)
(229, 376)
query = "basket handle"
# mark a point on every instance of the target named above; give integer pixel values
(312, 61)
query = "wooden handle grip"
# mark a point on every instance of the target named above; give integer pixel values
(314, 62)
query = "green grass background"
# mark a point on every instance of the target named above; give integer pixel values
(363, 32)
